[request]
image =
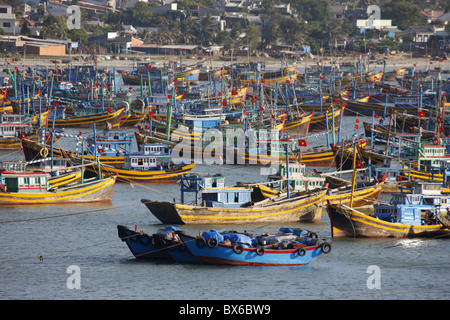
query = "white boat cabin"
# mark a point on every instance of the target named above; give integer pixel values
(10, 125)
(152, 156)
(299, 179)
(24, 182)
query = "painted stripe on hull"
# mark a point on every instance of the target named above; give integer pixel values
(97, 192)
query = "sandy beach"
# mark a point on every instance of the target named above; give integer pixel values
(392, 61)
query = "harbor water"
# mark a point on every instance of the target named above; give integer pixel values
(43, 245)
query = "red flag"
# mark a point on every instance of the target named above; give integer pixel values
(356, 127)
(421, 114)
(376, 116)
(302, 143)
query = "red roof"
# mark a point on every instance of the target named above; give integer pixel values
(24, 174)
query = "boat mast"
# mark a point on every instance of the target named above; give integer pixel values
(353, 175)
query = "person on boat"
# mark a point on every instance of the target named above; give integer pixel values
(430, 217)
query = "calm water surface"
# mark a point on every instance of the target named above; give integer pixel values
(39, 243)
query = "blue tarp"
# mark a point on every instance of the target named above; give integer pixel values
(239, 238)
(213, 234)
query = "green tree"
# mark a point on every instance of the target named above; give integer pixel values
(206, 32)
(402, 13)
(54, 27)
(78, 35)
(252, 36)
(142, 15)
(313, 10)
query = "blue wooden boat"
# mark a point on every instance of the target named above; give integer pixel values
(164, 244)
(285, 248)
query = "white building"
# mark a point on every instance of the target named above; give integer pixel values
(8, 21)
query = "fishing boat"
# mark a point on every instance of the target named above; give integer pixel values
(12, 126)
(320, 156)
(364, 193)
(343, 157)
(151, 164)
(32, 188)
(61, 170)
(297, 125)
(109, 119)
(208, 73)
(234, 205)
(320, 119)
(164, 244)
(252, 73)
(364, 108)
(414, 214)
(108, 147)
(288, 247)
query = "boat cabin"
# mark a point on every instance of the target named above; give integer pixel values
(405, 209)
(11, 125)
(299, 179)
(13, 166)
(226, 197)
(421, 205)
(431, 156)
(52, 165)
(111, 143)
(153, 156)
(200, 123)
(214, 193)
(154, 148)
(24, 182)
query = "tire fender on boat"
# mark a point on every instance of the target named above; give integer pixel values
(200, 242)
(237, 248)
(212, 242)
(326, 247)
(301, 252)
(260, 250)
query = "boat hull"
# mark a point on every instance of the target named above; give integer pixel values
(9, 143)
(348, 223)
(145, 176)
(106, 119)
(299, 208)
(34, 150)
(225, 255)
(144, 246)
(93, 191)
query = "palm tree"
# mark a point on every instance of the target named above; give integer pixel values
(206, 31)
(54, 27)
(190, 30)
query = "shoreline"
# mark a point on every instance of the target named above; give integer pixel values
(393, 62)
